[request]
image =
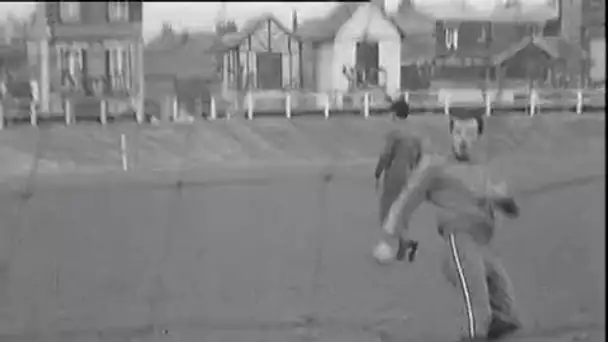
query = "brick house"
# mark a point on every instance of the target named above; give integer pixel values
(88, 52)
(542, 49)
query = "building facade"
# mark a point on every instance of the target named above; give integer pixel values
(594, 40)
(544, 52)
(367, 45)
(89, 52)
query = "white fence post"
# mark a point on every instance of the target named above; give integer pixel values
(33, 114)
(366, 105)
(406, 96)
(446, 105)
(326, 109)
(579, 102)
(67, 108)
(103, 112)
(288, 106)
(123, 152)
(533, 102)
(1, 115)
(213, 108)
(174, 109)
(488, 104)
(340, 101)
(249, 106)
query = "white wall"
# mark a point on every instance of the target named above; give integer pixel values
(367, 19)
(324, 65)
(598, 56)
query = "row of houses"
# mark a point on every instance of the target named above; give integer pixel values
(76, 54)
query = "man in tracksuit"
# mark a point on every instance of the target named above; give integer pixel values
(466, 199)
(401, 154)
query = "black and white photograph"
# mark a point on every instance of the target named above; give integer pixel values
(373, 171)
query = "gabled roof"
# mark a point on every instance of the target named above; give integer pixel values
(232, 40)
(182, 56)
(326, 28)
(555, 47)
(406, 20)
(411, 21)
(500, 51)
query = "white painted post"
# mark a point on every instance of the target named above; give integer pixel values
(446, 105)
(1, 115)
(33, 104)
(533, 102)
(366, 105)
(174, 109)
(67, 109)
(579, 102)
(288, 106)
(406, 96)
(33, 114)
(340, 101)
(103, 112)
(123, 152)
(326, 109)
(249, 106)
(488, 104)
(213, 109)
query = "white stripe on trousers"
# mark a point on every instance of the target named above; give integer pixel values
(465, 288)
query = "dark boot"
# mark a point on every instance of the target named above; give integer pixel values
(499, 329)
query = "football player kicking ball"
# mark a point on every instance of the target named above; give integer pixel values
(466, 198)
(401, 154)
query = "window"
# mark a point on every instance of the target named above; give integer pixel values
(118, 10)
(483, 34)
(451, 38)
(119, 73)
(69, 11)
(70, 64)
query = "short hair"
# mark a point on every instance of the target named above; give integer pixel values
(466, 114)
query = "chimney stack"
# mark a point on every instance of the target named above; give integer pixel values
(294, 21)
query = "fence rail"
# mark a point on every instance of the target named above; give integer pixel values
(326, 105)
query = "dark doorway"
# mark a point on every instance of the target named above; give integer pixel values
(270, 70)
(367, 63)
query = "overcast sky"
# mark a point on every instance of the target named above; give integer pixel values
(201, 15)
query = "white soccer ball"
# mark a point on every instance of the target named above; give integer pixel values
(383, 253)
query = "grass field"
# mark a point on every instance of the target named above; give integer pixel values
(284, 254)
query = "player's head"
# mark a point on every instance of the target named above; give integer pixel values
(465, 131)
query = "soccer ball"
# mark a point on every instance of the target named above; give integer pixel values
(383, 253)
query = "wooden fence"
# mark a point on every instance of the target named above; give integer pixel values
(326, 105)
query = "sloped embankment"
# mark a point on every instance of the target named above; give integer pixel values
(540, 142)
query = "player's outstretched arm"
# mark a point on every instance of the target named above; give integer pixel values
(412, 195)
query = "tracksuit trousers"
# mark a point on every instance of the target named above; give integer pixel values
(487, 292)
